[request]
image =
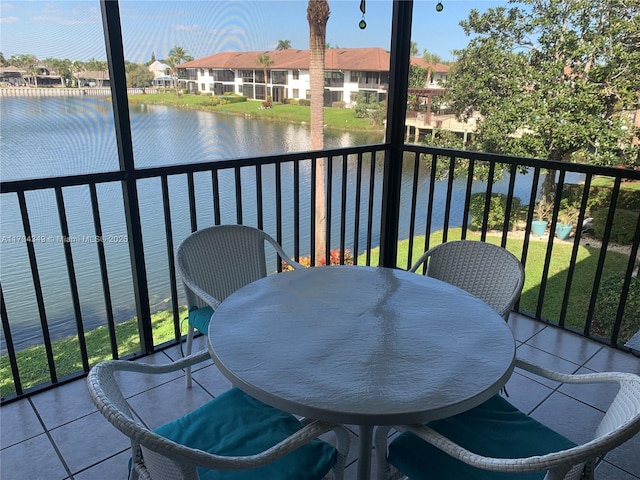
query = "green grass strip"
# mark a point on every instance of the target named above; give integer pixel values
(335, 118)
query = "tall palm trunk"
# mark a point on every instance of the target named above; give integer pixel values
(317, 16)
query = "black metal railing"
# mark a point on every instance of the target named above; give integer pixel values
(440, 193)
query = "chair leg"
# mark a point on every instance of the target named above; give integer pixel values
(190, 333)
(380, 443)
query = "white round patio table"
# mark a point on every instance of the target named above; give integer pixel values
(361, 346)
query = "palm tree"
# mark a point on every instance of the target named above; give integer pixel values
(317, 16)
(266, 62)
(283, 45)
(430, 59)
(177, 55)
(414, 49)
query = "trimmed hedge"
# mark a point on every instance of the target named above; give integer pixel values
(233, 98)
(622, 229)
(607, 308)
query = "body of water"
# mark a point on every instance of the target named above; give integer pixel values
(58, 136)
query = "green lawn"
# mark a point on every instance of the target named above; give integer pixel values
(582, 282)
(33, 365)
(338, 118)
(32, 362)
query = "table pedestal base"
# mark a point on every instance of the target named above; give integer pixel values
(365, 445)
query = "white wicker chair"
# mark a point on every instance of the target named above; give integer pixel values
(487, 271)
(220, 440)
(215, 262)
(418, 457)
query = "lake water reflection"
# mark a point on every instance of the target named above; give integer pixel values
(58, 136)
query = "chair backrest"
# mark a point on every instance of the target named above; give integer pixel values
(221, 259)
(487, 271)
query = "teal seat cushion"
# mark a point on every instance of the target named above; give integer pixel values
(200, 317)
(493, 429)
(235, 424)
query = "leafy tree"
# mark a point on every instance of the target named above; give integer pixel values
(62, 67)
(283, 45)
(318, 15)
(138, 76)
(93, 65)
(417, 76)
(3, 61)
(370, 108)
(552, 79)
(23, 61)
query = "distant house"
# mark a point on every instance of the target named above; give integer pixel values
(348, 73)
(93, 79)
(19, 77)
(13, 76)
(161, 74)
(438, 72)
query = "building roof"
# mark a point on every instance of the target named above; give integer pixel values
(359, 59)
(95, 75)
(157, 66)
(436, 67)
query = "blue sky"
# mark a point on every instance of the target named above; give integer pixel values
(73, 29)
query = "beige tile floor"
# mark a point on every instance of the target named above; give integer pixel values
(58, 435)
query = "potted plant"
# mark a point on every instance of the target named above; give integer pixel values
(543, 210)
(567, 217)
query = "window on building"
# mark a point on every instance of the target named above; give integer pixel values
(296, 74)
(260, 92)
(296, 93)
(247, 91)
(333, 79)
(279, 78)
(203, 87)
(247, 76)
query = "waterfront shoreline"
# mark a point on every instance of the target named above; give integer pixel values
(68, 92)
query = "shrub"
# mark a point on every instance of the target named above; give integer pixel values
(232, 98)
(600, 197)
(497, 207)
(267, 104)
(339, 104)
(623, 228)
(334, 259)
(607, 308)
(304, 102)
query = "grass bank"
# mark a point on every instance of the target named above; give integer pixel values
(33, 364)
(581, 286)
(335, 118)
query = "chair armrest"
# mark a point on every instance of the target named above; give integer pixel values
(281, 253)
(108, 398)
(620, 423)
(191, 285)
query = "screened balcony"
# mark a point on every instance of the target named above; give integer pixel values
(385, 204)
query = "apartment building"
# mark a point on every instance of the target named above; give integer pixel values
(348, 72)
